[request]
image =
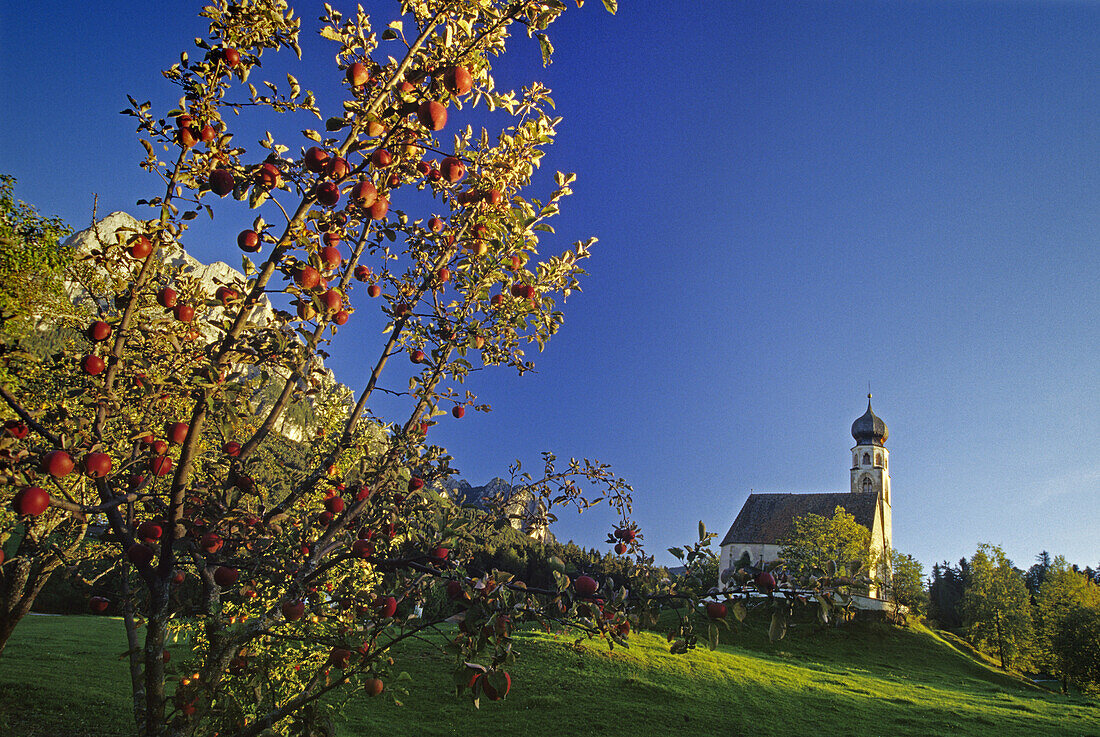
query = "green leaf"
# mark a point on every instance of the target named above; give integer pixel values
(740, 610)
(677, 552)
(702, 531)
(611, 5)
(712, 637)
(389, 35)
(547, 48)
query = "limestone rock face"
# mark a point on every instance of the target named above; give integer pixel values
(520, 505)
(209, 278)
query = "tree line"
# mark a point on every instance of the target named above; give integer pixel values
(1044, 619)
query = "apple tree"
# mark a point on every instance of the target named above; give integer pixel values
(389, 213)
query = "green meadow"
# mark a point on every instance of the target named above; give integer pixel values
(63, 676)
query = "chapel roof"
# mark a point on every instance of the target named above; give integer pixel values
(768, 518)
(869, 429)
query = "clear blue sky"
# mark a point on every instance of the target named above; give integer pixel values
(792, 200)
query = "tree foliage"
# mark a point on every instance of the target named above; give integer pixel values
(996, 607)
(945, 593)
(907, 584)
(817, 542)
(1067, 623)
(295, 573)
(32, 260)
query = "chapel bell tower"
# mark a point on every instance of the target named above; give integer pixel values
(871, 468)
(870, 459)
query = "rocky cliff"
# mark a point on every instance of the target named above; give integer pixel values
(209, 277)
(521, 505)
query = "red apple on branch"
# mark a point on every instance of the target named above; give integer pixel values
(452, 169)
(337, 168)
(160, 465)
(31, 501)
(458, 80)
(379, 209)
(331, 257)
(97, 465)
(184, 312)
(364, 193)
(268, 175)
(306, 277)
(585, 586)
(176, 432)
(358, 75)
(225, 576)
(92, 365)
(765, 581)
(248, 240)
(328, 193)
(167, 298)
(381, 158)
(293, 610)
(386, 606)
(210, 543)
(139, 554)
(57, 463)
(149, 531)
(140, 247)
(716, 610)
(315, 160)
(99, 331)
(432, 115)
(221, 182)
(16, 428)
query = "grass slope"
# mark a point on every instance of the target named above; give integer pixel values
(62, 675)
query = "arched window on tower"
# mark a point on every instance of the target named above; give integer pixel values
(866, 459)
(867, 486)
(878, 459)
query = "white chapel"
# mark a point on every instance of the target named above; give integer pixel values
(766, 519)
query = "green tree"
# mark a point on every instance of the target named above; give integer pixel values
(945, 593)
(1075, 647)
(817, 542)
(996, 607)
(288, 591)
(32, 261)
(1065, 608)
(907, 586)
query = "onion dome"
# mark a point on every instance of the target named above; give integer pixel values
(870, 429)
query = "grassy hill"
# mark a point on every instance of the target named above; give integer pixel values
(62, 675)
